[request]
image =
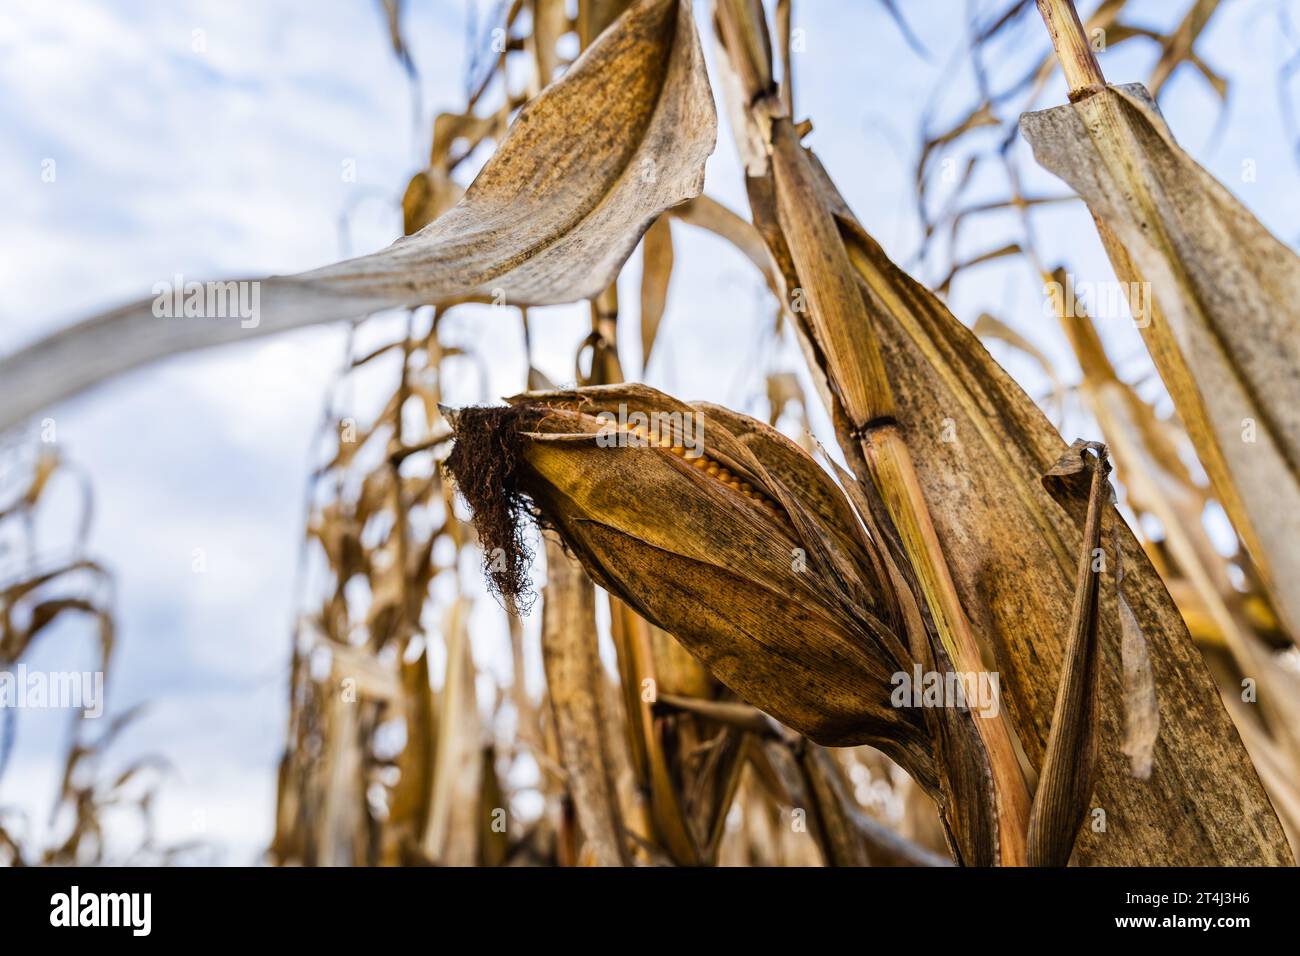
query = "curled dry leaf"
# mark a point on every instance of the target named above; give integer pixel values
(584, 170)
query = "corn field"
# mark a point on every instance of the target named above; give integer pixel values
(900, 606)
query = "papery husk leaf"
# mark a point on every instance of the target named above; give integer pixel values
(584, 170)
(757, 640)
(804, 644)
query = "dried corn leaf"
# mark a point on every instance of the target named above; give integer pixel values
(979, 441)
(656, 273)
(1224, 327)
(1069, 765)
(575, 680)
(453, 831)
(584, 170)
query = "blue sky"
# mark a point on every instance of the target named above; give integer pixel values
(224, 157)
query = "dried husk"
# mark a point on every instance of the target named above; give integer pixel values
(779, 599)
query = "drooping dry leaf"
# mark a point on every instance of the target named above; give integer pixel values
(1069, 764)
(584, 170)
(656, 272)
(452, 835)
(575, 678)
(1224, 323)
